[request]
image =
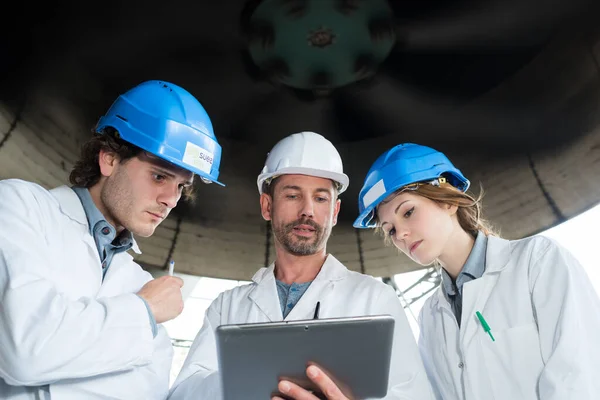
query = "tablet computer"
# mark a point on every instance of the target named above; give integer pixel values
(354, 351)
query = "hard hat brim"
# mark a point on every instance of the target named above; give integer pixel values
(342, 179)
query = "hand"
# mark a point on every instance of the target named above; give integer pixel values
(323, 382)
(163, 295)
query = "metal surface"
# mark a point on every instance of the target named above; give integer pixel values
(509, 90)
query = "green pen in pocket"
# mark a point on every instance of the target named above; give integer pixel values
(485, 325)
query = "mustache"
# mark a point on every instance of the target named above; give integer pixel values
(302, 221)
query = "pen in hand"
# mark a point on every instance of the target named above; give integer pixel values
(171, 267)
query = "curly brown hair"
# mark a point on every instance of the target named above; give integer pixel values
(469, 207)
(86, 171)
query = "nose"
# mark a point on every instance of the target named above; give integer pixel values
(402, 233)
(308, 209)
(170, 195)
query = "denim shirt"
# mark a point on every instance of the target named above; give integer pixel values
(290, 294)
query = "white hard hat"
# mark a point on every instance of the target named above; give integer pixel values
(304, 153)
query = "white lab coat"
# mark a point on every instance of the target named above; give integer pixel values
(342, 293)
(545, 317)
(64, 332)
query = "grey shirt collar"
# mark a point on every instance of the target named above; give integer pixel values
(103, 233)
(473, 269)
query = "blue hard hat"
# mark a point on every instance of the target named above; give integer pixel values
(167, 121)
(403, 165)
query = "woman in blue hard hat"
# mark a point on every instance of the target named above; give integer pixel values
(514, 319)
(79, 318)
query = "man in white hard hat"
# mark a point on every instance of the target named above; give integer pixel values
(299, 187)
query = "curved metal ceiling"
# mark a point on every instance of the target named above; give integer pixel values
(509, 90)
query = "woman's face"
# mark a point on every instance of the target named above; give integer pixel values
(419, 227)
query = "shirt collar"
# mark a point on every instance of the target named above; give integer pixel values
(98, 224)
(332, 270)
(473, 269)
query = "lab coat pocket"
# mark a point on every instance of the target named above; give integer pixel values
(513, 360)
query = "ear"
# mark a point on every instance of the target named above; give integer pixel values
(336, 211)
(107, 161)
(451, 208)
(266, 204)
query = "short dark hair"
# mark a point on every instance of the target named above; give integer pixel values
(86, 171)
(268, 186)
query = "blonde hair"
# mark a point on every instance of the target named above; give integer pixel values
(468, 211)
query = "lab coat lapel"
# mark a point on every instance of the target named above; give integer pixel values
(71, 206)
(476, 293)
(264, 295)
(320, 290)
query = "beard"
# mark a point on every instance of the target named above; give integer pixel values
(116, 197)
(299, 245)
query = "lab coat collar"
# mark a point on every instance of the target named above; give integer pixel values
(265, 296)
(71, 206)
(331, 270)
(497, 255)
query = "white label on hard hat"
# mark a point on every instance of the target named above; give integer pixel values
(373, 194)
(198, 157)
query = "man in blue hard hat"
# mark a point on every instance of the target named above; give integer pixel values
(80, 319)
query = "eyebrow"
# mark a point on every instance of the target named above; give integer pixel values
(294, 187)
(171, 175)
(395, 211)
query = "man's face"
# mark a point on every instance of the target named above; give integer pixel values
(302, 210)
(140, 193)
